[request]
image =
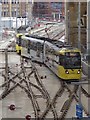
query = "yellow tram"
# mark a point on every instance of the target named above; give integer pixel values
(63, 60)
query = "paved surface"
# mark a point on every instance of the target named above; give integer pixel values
(21, 100)
(23, 103)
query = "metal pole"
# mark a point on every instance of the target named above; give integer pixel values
(67, 20)
(68, 27)
(79, 26)
(88, 49)
(16, 15)
(30, 7)
(25, 12)
(88, 28)
(0, 21)
(10, 10)
(66, 30)
(6, 66)
(80, 95)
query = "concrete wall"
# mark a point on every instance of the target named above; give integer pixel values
(72, 23)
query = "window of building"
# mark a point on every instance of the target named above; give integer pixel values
(16, 1)
(2, 13)
(5, 1)
(5, 13)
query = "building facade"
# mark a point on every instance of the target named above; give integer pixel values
(11, 8)
(48, 10)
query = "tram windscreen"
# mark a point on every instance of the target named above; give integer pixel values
(72, 60)
(72, 54)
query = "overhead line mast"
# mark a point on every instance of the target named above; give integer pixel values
(0, 21)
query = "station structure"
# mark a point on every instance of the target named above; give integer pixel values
(77, 24)
(76, 14)
(76, 17)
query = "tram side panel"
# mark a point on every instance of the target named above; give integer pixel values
(51, 59)
(63, 62)
(24, 51)
(32, 49)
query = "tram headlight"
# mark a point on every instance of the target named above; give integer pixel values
(78, 72)
(67, 72)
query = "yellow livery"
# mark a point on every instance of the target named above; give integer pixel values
(62, 59)
(18, 43)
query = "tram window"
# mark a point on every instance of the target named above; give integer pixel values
(19, 43)
(61, 60)
(19, 40)
(39, 46)
(46, 51)
(72, 54)
(72, 62)
(33, 46)
(24, 43)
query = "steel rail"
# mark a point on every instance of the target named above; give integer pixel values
(33, 85)
(33, 99)
(5, 93)
(46, 92)
(59, 35)
(85, 92)
(58, 94)
(63, 114)
(15, 76)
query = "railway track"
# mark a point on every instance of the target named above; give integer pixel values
(28, 90)
(59, 93)
(67, 106)
(52, 32)
(38, 79)
(24, 76)
(51, 103)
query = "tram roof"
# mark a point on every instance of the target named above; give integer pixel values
(40, 37)
(32, 39)
(61, 48)
(53, 44)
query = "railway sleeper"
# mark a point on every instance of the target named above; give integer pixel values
(66, 108)
(66, 103)
(39, 96)
(85, 92)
